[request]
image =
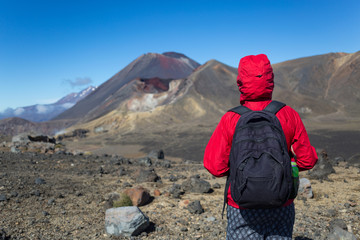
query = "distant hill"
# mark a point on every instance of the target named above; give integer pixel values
(45, 112)
(321, 84)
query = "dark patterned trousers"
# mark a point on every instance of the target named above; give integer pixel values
(275, 223)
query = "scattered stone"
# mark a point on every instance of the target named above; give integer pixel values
(36, 193)
(157, 193)
(196, 185)
(210, 219)
(14, 149)
(3, 198)
(146, 161)
(338, 233)
(125, 221)
(51, 201)
(127, 185)
(216, 186)
(122, 171)
(138, 195)
(143, 175)
(14, 194)
(3, 235)
(40, 181)
(173, 178)
(176, 191)
(45, 213)
(157, 154)
(163, 163)
(338, 223)
(195, 207)
(305, 189)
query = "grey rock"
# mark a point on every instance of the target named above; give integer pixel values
(195, 207)
(196, 185)
(156, 154)
(35, 193)
(210, 219)
(216, 186)
(338, 223)
(323, 168)
(125, 221)
(340, 234)
(13, 149)
(305, 189)
(146, 161)
(3, 198)
(173, 178)
(176, 191)
(14, 194)
(162, 163)
(144, 175)
(45, 213)
(3, 234)
(40, 181)
(126, 185)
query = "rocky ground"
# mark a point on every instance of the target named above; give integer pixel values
(64, 196)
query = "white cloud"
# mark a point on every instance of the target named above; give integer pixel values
(19, 111)
(67, 105)
(80, 81)
(42, 109)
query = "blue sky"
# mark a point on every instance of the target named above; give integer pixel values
(51, 48)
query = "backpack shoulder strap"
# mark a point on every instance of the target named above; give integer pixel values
(274, 107)
(240, 110)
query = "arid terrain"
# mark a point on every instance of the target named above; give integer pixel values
(170, 102)
(64, 196)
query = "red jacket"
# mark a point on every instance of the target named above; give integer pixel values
(256, 83)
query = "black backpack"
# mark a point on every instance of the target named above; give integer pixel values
(260, 166)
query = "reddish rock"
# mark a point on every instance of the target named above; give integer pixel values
(184, 203)
(138, 195)
(157, 193)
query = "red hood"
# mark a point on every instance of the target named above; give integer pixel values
(255, 78)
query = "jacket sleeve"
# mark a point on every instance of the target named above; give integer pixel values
(217, 151)
(306, 156)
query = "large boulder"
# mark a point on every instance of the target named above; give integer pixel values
(323, 168)
(305, 189)
(146, 175)
(338, 233)
(196, 185)
(125, 221)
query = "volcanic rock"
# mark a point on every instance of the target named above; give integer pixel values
(338, 233)
(322, 168)
(125, 221)
(146, 175)
(305, 189)
(196, 185)
(195, 207)
(139, 196)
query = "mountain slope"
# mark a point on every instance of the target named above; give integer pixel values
(45, 112)
(321, 84)
(179, 115)
(109, 95)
